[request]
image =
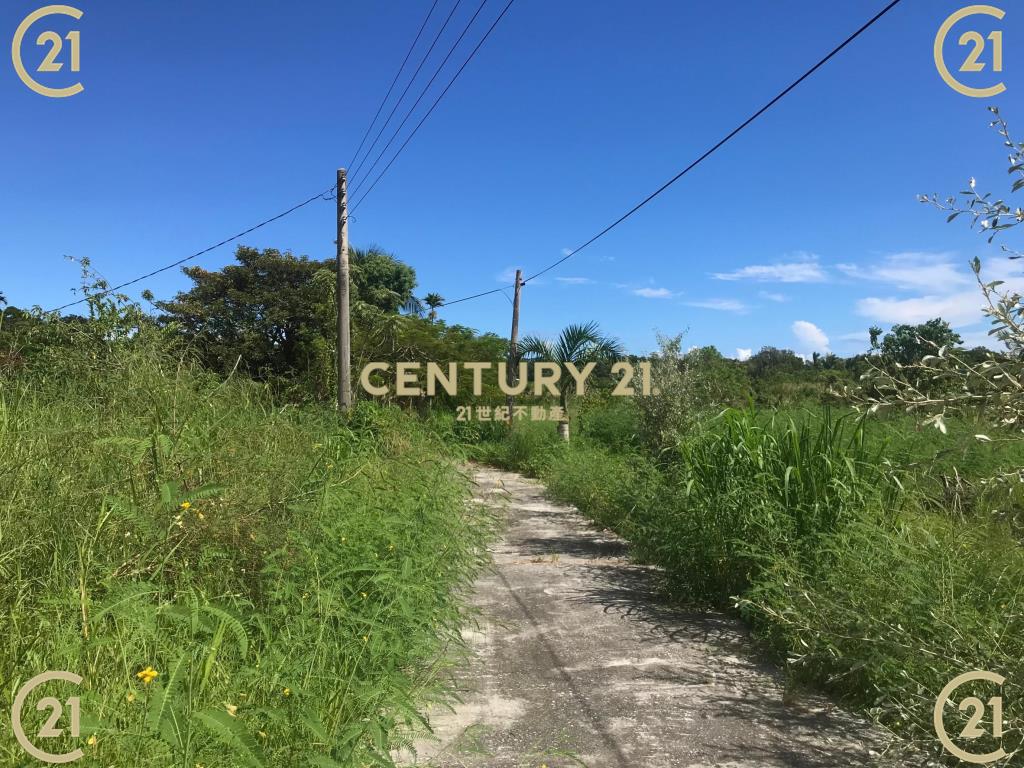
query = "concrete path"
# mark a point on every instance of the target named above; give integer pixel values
(578, 662)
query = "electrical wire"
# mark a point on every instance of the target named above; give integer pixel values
(437, 101)
(391, 88)
(423, 93)
(225, 241)
(821, 62)
(408, 85)
(326, 194)
(722, 142)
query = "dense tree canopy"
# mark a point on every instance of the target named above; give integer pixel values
(266, 310)
(907, 344)
(770, 360)
(273, 315)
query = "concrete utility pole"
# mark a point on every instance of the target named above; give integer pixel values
(513, 347)
(344, 328)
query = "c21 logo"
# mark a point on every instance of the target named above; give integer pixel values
(977, 44)
(52, 61)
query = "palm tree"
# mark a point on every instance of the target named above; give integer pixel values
(576, 344)
(433, 300)
(3, 299)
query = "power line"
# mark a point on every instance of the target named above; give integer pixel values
(419, 98)
(408, 85)
(721, 142)
(391, 88)
(225, 241)
(474, 296)
(319, 195)
(703, 157)
(437, 101)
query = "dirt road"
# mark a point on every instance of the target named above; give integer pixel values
(579, 662)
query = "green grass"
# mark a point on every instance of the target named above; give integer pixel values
(832, 536)
(297, 580)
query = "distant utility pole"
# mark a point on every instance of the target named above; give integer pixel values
(344, 328)
(513, 347)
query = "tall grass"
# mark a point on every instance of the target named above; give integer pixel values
(295, 580)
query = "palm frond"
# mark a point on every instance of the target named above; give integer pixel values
(535, 348)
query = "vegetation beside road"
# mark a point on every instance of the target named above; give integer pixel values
(861, 564)
(240, 583)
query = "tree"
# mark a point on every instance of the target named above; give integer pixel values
(380, 279)
(273, 313)
(3, 299)
(266, 311)
(906, 344)
(770, 360)
(714, 380)
(433, 300)
(576, 344)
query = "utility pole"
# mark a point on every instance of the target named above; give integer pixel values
(344, 328)
(513, 347)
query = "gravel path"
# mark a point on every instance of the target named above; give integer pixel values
(578, 662)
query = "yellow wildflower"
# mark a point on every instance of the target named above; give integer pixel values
(200, 515)
(366, 639)
(186, 505)
(231, 709)
(147, 676)
(363, 594)
(91, 741)
(130, 697)
(287, 692)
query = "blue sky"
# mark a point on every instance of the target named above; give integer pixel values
(199, 119)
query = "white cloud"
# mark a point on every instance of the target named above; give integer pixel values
(949, 289)
(805, 269)
(722, 305)
(961, 308)
(982, 339)
(507, 275)
(914, 271)
(653, 293)
(743, 354)
(779, 297)
(855, 336)
(574, 280)
(811, 337)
